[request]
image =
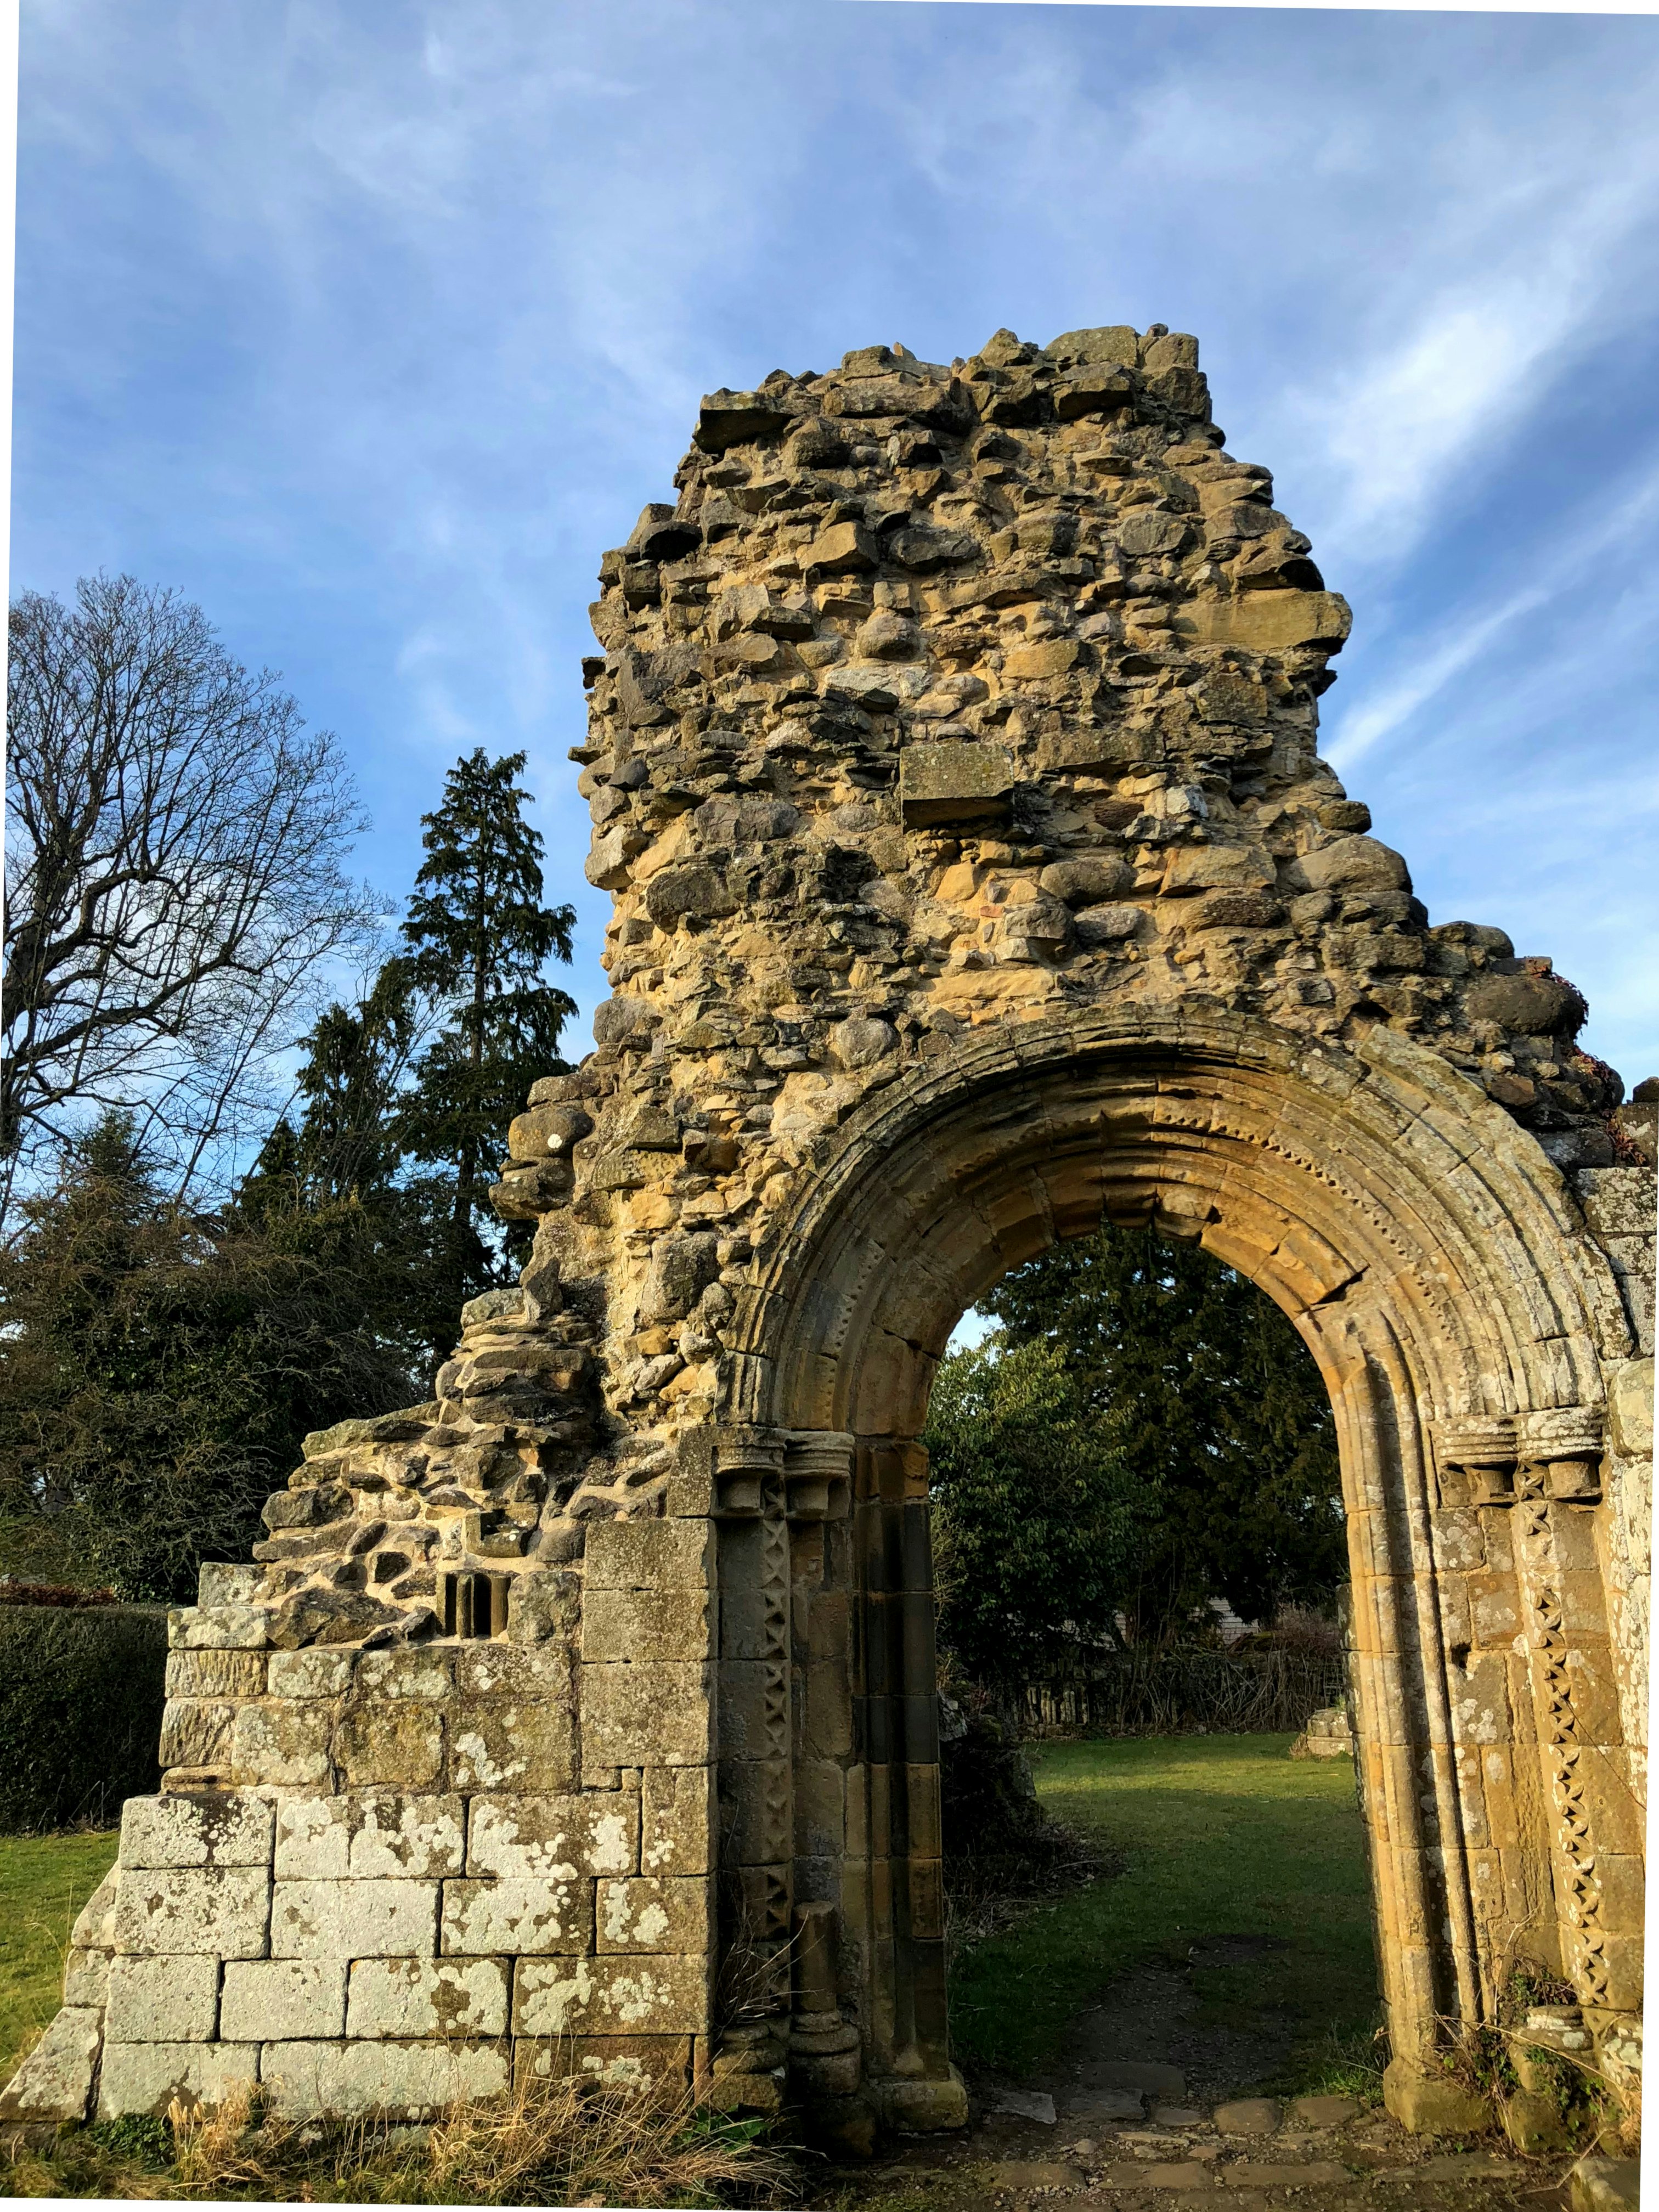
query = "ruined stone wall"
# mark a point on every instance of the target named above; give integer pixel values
(946, 708)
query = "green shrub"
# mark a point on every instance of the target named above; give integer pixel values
(81, 1698)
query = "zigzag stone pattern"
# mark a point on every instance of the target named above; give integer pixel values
(952, 758)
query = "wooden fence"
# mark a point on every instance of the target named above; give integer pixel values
(1184, 1693)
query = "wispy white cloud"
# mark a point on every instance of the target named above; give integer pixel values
(1433, 663)
(372, 325)
(1536, 300)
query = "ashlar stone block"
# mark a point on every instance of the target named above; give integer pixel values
(197, 1732)
(421, 1996)
(223, 1911)
(282, 1740)
(313, 1674)
(217, 1628)
(409, 2082)
(481, 1918)
(163, 1999)
(54, 2083)
(94, 1923)
(561, 1838)
(313, 1839)
(532, 1673)
(619, 2061)
(646, 1624)
(649, 1555)
(375, 1834)
(954, 781)
(650, 1914)
(655, 1712)
(215, 1828)
(353, 1919)
(146, 2077)
(612, 1996)
(234, 1674)
(400, 1741)
(276, 1999)
(498, 1744)
(677, 1820)
(1630, 1399)
(86, 1978)
(404, 1674)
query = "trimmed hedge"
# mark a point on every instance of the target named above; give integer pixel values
(81, 1699)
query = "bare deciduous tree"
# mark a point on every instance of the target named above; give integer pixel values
(173, 875)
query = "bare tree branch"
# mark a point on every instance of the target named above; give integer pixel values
(173, 874)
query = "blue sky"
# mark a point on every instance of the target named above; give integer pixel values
(371, 326)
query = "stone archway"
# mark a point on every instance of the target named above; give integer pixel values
(952, 760)
(1400, 1232)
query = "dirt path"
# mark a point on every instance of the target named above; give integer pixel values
(1137, 2117)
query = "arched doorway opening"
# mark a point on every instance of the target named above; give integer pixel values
(1457, 1312)
(1141, 1566)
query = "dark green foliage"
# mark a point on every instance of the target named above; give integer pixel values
(161, 1365)
(143, 2137)
(1144, 1432)
(80, 1697)
(1037, 1528)
(427, 1071)
(479, 938)
(356, 1059)
(159, 1368)
(345, 1158)
(1199, 1393)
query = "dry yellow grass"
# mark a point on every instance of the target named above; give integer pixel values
(553, 2142)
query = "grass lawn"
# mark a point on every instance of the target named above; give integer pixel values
(44, 1882)
(1215, 1835)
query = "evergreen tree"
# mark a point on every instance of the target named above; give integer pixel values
(1200, 1393)
(159, 1368)
(479, 939)
(357, 1060)
(1035, 1528)
(161, 1365)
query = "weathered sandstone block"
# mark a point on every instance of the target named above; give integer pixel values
(553, 1838)
(523, 1916)
(421, 1997)
(498, 1744)
(610, 1996)
(651, 1914)
(659, 1711)
(276, 1999)
(353, 1919)
(399, 1742)
(163, 1999)
(220, 1911)
(54, 2083)
(406, 2080)
(374, 1834)
(222, 1828)
(146, 2077)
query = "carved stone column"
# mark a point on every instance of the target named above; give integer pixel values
(755, 1793)
(1544, 1469)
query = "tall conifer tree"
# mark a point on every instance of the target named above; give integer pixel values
(480, 937)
